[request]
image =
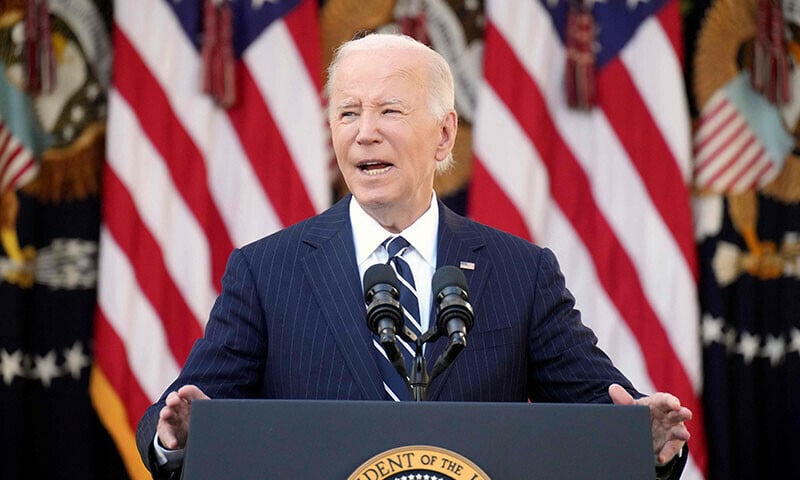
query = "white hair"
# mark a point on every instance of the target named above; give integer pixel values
(441, 99)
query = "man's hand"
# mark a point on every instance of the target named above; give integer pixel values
(173, 420)
(666, 420)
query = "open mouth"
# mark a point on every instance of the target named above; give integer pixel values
(375, 167)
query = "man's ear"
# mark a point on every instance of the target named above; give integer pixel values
(447, 137)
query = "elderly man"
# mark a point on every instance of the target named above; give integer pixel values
(289, 322)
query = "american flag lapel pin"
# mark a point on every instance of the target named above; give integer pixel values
(466, 266)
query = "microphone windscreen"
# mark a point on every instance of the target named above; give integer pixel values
(448, 276)
(380, 273)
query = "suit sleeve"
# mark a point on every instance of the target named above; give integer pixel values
(566, 363)
(228, 362)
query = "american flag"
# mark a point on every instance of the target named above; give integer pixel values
(17, 166)
(606, 189)
(187, 181)
(730, 155)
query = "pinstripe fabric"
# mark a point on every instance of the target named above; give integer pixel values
(290, 323)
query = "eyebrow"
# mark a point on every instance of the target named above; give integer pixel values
(391, 101)
(346, 104)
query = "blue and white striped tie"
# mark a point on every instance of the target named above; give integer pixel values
(395, 386)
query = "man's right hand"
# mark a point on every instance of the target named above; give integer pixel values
(173, 420)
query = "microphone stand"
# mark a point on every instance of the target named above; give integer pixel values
(419, 379)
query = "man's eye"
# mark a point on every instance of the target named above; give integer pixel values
(347, 114)
(391, 111)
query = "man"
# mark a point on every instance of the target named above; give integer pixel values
(290, 321)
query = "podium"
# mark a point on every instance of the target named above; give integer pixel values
(349, 440)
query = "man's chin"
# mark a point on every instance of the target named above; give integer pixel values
(372, 202)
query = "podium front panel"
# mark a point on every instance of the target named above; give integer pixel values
(299, 439)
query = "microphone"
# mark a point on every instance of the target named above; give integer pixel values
(384, 313)
(454, 315)
(453, 311)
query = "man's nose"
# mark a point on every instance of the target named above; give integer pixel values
(368, 129)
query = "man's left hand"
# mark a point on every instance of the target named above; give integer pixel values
(667, 418)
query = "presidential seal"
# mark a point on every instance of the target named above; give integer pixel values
(418, 462)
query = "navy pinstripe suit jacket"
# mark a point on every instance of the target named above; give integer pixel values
(290, 323)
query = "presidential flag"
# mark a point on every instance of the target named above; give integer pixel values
(216, 137)
(602, 182)
(745, 84)
(54, 70)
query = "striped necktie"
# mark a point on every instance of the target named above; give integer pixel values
(394, 385)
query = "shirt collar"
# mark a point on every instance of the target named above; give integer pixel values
(368, 234)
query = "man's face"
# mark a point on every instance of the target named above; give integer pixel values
(386, 141)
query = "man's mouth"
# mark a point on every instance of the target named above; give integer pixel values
(374, 167)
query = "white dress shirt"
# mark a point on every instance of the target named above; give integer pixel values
(368, 235)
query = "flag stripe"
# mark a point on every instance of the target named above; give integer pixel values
(598, 311)
(154, 366)
(653, 49)
(592, 143)
(649, 153)
(763, 167)
(117, 372)
(719, 147)
(571, 191)
(17, 166)
(159, 124)
(233, 184)
(670, 17)
(642, 246)
(9, 166)
(494, 203)
(712, 124)
(279, 177)
(612, 182)
(302, 25)
(512, 162)
(136, 243)
(709, 161)
(291, 98)
(143, 173)
(744, 167)
(732, 169)
(186, 181)
(26, 173)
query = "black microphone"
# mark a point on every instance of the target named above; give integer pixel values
(384, 313)
(454, 315)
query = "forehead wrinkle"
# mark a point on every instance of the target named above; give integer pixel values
(412, 74)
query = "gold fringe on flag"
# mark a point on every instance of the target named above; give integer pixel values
(111, 410)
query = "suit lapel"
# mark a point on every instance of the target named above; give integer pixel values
(332, 272)
(458, 241)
